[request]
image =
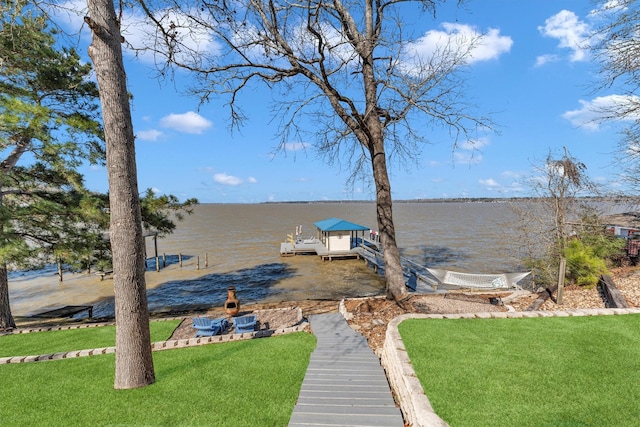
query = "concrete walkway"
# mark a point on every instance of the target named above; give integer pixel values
(345, 384)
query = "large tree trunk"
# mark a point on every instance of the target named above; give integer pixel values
(6, 318)
(134, 363)
(373, 138)
(396, 288)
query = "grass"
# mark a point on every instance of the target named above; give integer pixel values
(571, 371)
(36, 343)
(244, 383)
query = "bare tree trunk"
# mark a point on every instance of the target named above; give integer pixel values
(396, 288)
(134, 363)
(373, 138)
(6, 318)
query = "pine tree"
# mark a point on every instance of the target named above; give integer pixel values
(49, 125)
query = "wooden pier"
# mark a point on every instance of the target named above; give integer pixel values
(317, 248)
(417, 278)
(336, 238)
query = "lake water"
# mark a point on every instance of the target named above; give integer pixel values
(240, 244)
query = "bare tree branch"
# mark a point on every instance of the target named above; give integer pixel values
(344, 63)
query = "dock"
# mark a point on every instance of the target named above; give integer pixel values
(417, 278)
(317, 248)
(336, 238)
(340, 239)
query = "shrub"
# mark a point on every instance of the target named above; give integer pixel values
(584, 265)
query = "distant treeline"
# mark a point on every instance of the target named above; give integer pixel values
(615, 199)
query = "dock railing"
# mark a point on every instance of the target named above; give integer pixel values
(414, 273)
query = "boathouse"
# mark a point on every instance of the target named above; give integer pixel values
(336, 238)
(338, 235)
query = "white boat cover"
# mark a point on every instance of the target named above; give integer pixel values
(472, 280)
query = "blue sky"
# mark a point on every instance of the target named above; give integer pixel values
(530, 73)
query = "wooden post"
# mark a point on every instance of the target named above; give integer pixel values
(206, 260)
(561, 273)
(198, 262)
(180, 260)
(155, 244)
(59, 271)
(164, 260)
(157, 263)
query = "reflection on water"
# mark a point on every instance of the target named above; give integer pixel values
(223, 245)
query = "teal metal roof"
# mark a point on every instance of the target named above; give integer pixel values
(337, 224)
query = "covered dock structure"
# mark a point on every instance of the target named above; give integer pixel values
(336, 238)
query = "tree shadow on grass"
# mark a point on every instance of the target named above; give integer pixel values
(252, 284)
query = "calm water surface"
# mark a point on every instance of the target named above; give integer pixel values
(240, 245)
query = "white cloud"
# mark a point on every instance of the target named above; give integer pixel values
(593, 113)
(70, 14)
(296, 146)
(149, 135)
(570, 31)
(188, 122)
(468, 157)
(456, 40)
(512, 174)
(475, 144)
(304, 44)
(609, 7)
(140, 33)
(224, 179)
(469, 151)
(545, 59)
(490, 182)
(491, 46)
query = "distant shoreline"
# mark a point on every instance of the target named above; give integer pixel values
(627, 199)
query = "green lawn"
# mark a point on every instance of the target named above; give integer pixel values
(244, 383)
(560, 371)
(36, 343)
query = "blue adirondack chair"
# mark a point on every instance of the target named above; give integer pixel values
(245, 323)
(209, 327)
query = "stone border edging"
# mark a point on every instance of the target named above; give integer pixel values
(29, 330)
(413, 401)
(156, 346)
